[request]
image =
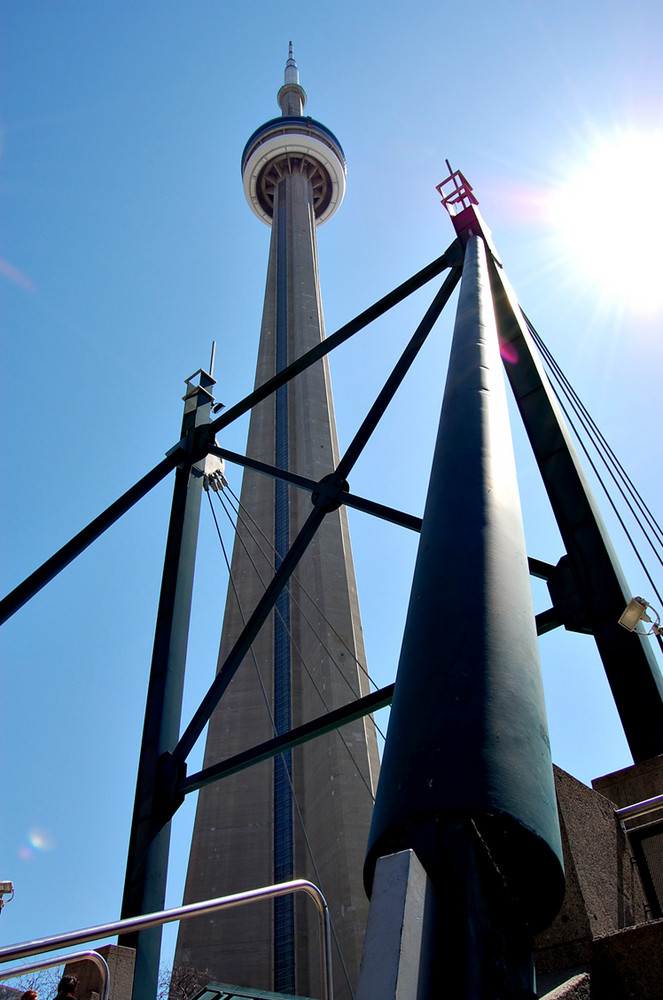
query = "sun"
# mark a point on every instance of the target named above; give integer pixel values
(605, 215)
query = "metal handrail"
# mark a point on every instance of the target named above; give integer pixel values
(639, 808)
(79, 956)
(129, 924)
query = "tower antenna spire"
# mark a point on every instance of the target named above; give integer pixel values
(291, 96)
(291, 74)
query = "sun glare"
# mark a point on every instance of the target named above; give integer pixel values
(607, 217)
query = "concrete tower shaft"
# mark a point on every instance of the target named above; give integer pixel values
(250, 830)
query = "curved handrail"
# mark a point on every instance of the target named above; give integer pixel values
(638, 809)
(129, 924)
(79, 956)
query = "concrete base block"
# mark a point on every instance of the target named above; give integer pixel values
(577, 988)
(603, 890)
(394, 965)
(629, 965)
(632, 784)
(604, 931)
(120, 963)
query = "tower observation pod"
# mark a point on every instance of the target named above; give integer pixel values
(292, 145)
(307, 813)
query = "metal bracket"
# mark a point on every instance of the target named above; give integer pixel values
(328, 493)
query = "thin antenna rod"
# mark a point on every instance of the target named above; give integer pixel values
(211, 363)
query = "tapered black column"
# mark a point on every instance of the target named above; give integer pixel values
(466, 778)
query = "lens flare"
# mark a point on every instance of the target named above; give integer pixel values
(38, 841)
(508, 353)
(13, 274)
(607, 214)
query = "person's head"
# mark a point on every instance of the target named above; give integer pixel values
(29, 995)
(67, 985)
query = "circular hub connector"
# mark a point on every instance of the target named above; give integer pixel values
(329, 493)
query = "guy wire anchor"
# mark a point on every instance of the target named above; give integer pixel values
(214, 478)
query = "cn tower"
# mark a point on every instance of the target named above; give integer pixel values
(307, 814)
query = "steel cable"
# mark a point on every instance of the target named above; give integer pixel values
(561, 386)
(273, 723)
(242, 514)
(294, 644)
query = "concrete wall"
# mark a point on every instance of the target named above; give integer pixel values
(603, 929)
(120, 963)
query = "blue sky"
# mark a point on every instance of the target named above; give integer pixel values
(126, 247)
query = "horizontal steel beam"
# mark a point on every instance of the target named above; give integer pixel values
(452, 257)
(232, 662)
(10, 604)
(311, 485)
(21, 594)
(540, 569)
(279, 744)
